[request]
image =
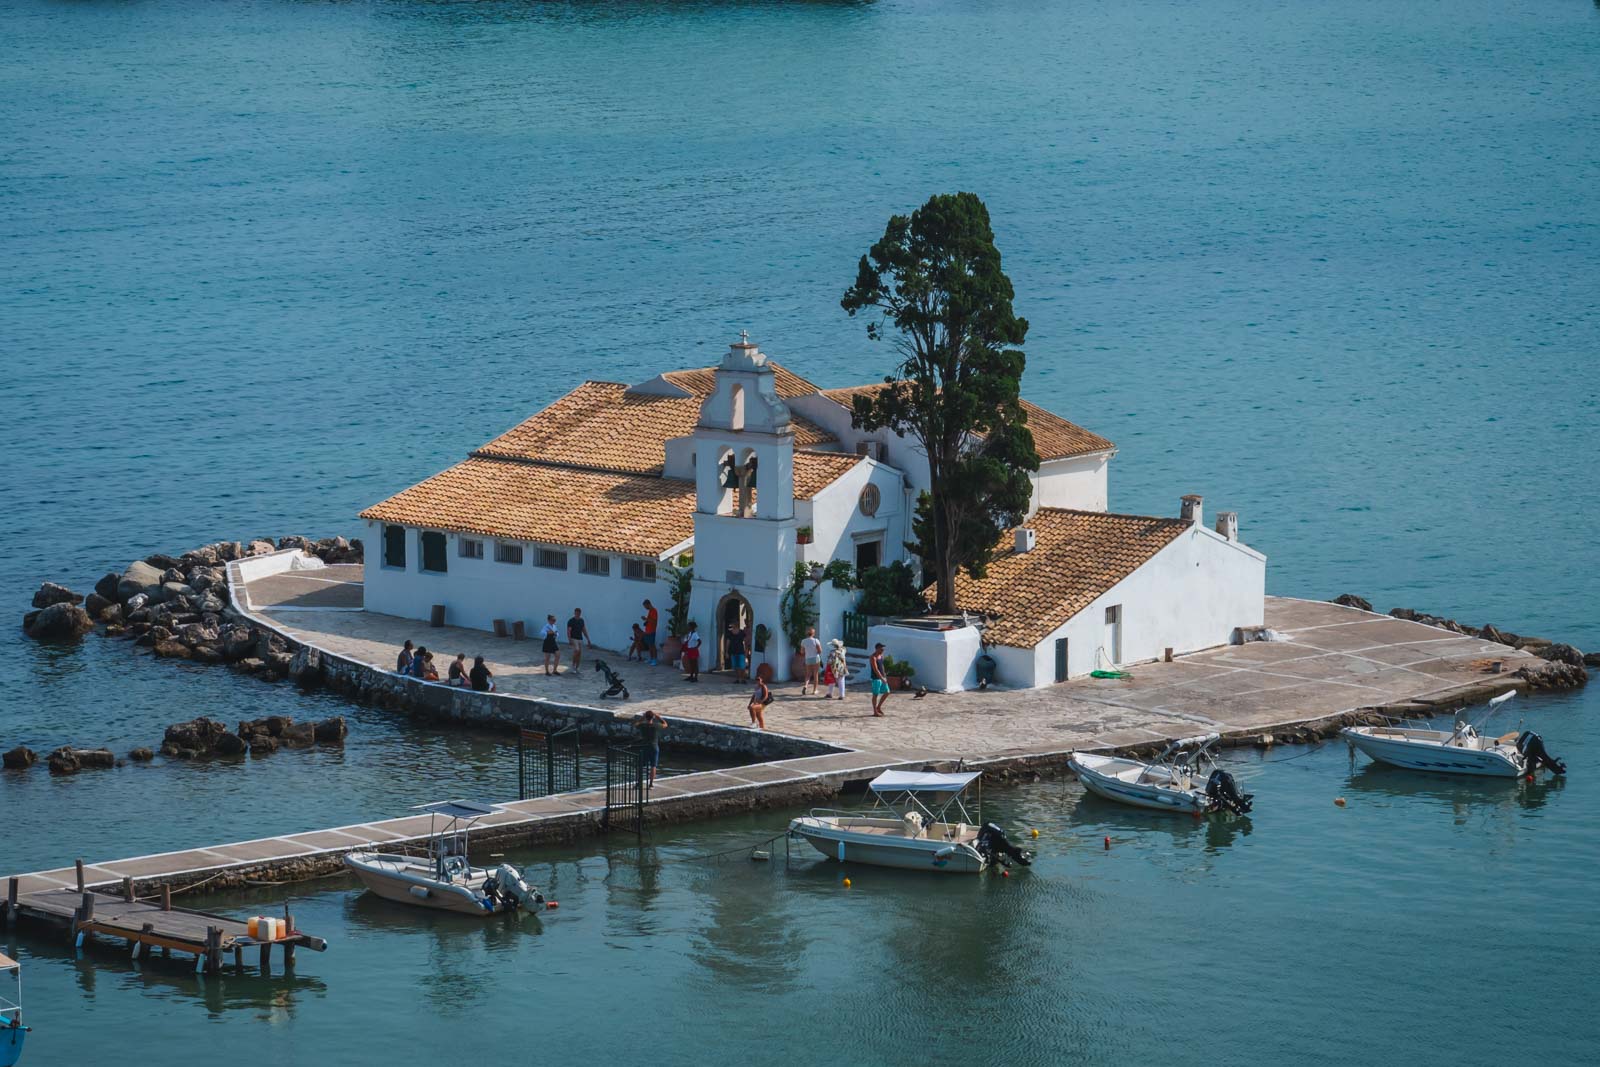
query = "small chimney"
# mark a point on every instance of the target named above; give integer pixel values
(1228, 524)
(1025, 539)
(1192, 511)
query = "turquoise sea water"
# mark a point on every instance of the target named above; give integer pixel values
(1330, 265)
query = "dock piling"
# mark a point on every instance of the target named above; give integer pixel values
(166, 898)
(11, 900)
(79, 865)
(127, 890)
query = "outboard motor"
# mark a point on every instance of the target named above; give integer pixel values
(1535, 755)
(993, 845)
(507, 889)
(1223, 792)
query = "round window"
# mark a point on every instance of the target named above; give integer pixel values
(869, 500)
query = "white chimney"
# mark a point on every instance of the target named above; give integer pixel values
(1192, 509)
(1025, 539)
(1228, 524)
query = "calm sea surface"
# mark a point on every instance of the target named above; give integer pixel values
(1332, 266)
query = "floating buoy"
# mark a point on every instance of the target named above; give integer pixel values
(847, 883)
(1034, 831)
(1338, 801)
(552, 904)
(1004, 873)
(1108, 844)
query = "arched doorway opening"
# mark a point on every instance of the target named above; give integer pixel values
(732, 610)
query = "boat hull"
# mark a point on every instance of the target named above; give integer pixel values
(11, 1040)
(1420, 754)
(1153, 796)
(884, 850)
(388, 877)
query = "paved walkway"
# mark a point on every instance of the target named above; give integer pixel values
(1337, 659)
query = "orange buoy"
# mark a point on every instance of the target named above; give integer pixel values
(1339, 801)
(1108, 844)
(552, 904)
(847, 883)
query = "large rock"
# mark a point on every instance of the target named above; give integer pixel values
(230, 745)
(107, 586)
(210, 604)
(192, 739)
(161, 561)
(60, 622)
(176, 590)
(1491, 633)
(299, 734)
(238, 641)
(95, 605)
(19, 758)
(1591, 659)
(63, 761)
(112, 615)
(1561, 654)
(141, 755)
(1404, 613)
(69, 760)
(198, 633)
(305, 667)
(51, 593)
(203, 578)
(331, 731)
(140, 577)
(171, 648)
(1552, 674)
(260, 548)
(1350, 600)
(305, 544)
(1533, 644)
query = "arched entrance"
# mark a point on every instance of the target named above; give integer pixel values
(732, 610)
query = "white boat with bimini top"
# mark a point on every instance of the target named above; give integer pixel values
(12, 1032)
(1183, 778)
(911, 826)
(1462, 750)
(443, 879)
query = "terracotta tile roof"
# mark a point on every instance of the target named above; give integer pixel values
(701, 381)
(815, 471)
(1077, 556)
(1053, 436)
(635, 514)
(602, 425)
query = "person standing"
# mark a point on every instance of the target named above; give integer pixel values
(652, 618)
(650, 726)
(880, 680)
(482, 677)
(691, 652)
(736, 654)
(758, 704)
(838, 668)
(402, 663)
(811, 649)
(552, 647)
(578, 636)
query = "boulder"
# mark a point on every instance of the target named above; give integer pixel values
(107, 586)
(197, 737)
(331, 731)
(260, 548)
(60, 622)
(230, 745)
(1533, 644)
(1404, 613)
(251, 665)
(19, 758)
(1561, 654)
(206, 654)
(305, 666)
(141, 755)
(176, 590)
(227, 551)
(111, 615)
(1350, 600)
(272, 725)
(210, 604)
(63, 761)
(238, 642)
(203, 578)
(173, 574)
(51, 593)
(261, 744)
(115, 629)
(1491, 633)
(140, 577)
(1552, 674)
(137, 602)
(305, 544)
(99, 758)
(279, 662)
(95, 604)
(298, 734)
(196, 634)
(161, 561)
(1591, 659)
(29, 618)
(170, 648)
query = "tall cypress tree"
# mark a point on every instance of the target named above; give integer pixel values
(935, 279)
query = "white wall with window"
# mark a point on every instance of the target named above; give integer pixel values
(480, 578)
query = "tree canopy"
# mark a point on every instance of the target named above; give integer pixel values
(934, 280)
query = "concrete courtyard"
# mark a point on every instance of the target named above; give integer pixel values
(1335, 660)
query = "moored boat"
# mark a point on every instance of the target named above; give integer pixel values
(1462, 750)
(444, 879)
(1183, 778)
(920, 822)
(12, 1032)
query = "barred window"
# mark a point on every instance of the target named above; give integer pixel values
(589, 563)
(504, 553)
(553, 558)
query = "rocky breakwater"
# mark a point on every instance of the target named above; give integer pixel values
(178, 607)
(203, 738)
(1564, 666)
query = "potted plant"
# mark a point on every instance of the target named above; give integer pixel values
(898, 671)
(680, 583)
(802, 536)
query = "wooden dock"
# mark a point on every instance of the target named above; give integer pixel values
(148, 925)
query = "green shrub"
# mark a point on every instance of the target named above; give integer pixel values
(890, 590)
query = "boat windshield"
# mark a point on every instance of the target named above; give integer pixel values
(449, 823)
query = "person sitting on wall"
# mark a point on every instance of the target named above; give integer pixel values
(482, 677)
(458, 671)
(402, 663)
(419, 662)
(430, 673)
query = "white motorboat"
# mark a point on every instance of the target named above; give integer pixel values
(12, 1032)
(443, 879)
(1183, 778)
(911, 826)
(1462, 750)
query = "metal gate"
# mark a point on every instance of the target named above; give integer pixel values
(547, 763)
(855, 630)
(624, 790)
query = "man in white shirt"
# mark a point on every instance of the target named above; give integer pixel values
(811, 648)
(691, 653)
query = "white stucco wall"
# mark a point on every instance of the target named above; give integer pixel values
(1189, 596)
(475, 592)
(1075, 482)
(945, 660)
